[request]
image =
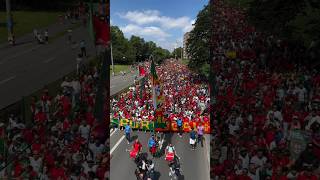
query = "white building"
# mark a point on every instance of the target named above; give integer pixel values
(185, 40)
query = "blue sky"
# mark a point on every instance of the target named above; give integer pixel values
(162, 21)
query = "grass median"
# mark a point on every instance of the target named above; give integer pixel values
(118, 68)
(26, 21)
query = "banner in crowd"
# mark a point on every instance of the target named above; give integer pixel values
(157, 94)
(160, 126)
(231, 54)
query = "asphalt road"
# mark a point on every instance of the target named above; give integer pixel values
(28, 67)
(118, 83)
(194, 164)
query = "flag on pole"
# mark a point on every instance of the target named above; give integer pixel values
(142, 71)
(155, 84)
(157, 94)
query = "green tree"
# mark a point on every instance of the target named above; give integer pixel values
(177, 52)
(126, 51)
(137, 44)
(198, 43)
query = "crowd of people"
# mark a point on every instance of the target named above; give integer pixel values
(64, 140)
(266, 122)
(185, 96)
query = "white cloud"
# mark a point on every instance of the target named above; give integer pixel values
(153, 17)
(151, 31)
(189, 27)
(167, 45)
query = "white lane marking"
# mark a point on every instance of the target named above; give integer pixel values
(161, 142)
(8, 79)
(117, 144)
(49, 60)
(113, 132)
(18, 54)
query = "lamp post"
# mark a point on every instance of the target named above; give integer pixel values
(9, 19)
(112, 59)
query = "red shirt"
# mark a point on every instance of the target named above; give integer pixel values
(36, 147)
(90, 118)
(18, 169)
(57, 172)
(279, 178)
(302, 176)
(40, 117)
(137, 146)
(100, 172)
(66, 125)
(49, 159)
(270, 136)
(28, 135)
(243, 177)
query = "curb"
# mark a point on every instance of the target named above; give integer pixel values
(207, 138)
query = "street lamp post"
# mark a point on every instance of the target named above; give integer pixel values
(112, 59)
(9, 19)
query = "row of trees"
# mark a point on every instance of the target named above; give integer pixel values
(135, 49)
(198, 44)
(298, 21)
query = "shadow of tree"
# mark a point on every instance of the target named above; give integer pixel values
(167, 141)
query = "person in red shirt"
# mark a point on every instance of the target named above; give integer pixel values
(307, 175)
(40, 117)
(243, 175)
(137, 146)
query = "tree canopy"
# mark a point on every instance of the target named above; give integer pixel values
(177, 52)
(198, 45)
(135, 49)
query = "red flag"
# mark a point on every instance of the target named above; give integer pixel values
(142, 71)
(102, 31)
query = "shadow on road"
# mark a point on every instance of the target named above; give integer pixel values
(157, 175)
(16, 44)
(133, 138)
(167, 141)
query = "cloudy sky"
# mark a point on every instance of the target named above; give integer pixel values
(162, 21)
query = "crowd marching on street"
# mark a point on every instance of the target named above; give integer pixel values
(185, 100)
(186, 96)
(266, 123)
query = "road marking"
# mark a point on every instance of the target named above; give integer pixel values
(117, 144)
(161, 142)
(113, 132)
(48, 60)
(8, 79)
(18, 54)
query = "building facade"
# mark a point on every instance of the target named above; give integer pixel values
(185, 40)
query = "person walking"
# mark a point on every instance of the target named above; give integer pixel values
(46, 36)
(83, 48)
(79, 64)
(193, 139)
(200, 131)
(127, 131)
(69, 36)
(35, 34)
(179, 124)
